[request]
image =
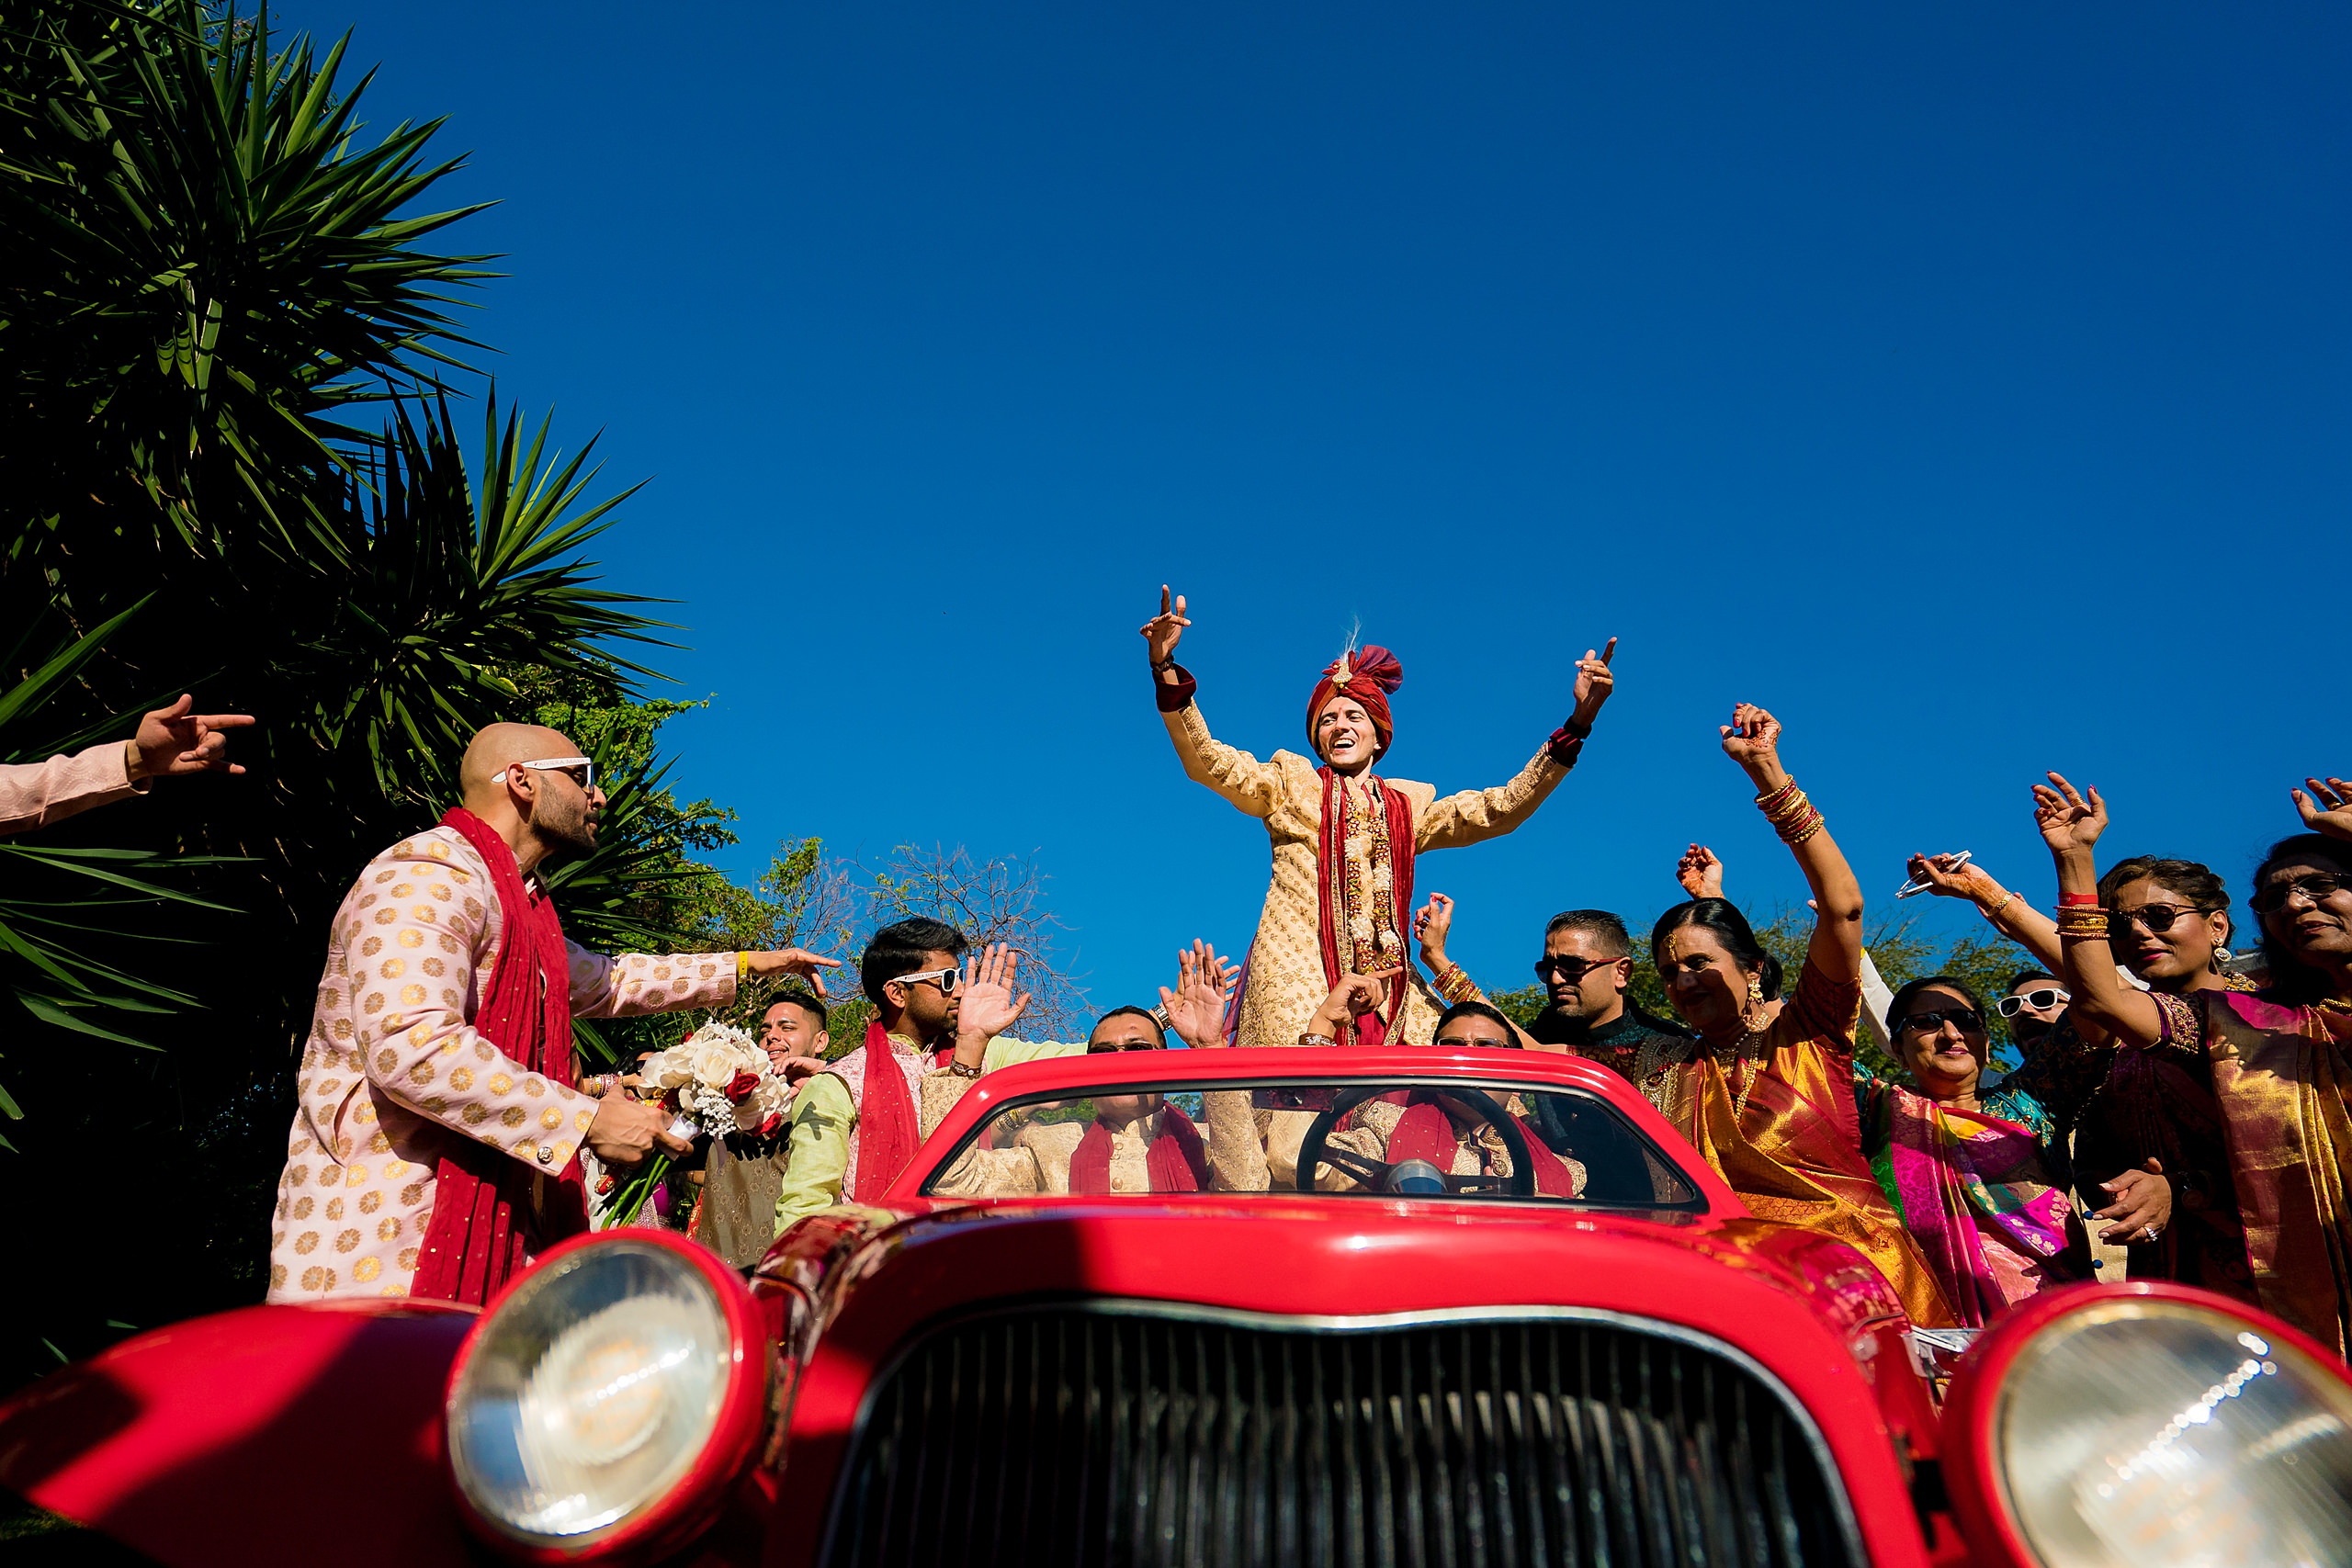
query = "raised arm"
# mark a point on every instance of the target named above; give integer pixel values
(1702, 876)
(2007, 913)
(1752, 739)
(1478, 813)
(1251, 785)
(2071, 823)
(1432, 925)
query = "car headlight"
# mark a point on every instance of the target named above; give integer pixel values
(2157, 1430)
(613, 1388)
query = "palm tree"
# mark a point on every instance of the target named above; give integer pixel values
(229, 362)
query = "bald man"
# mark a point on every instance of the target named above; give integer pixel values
(436, 1141)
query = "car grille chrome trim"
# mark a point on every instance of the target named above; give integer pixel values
(1135, 1432)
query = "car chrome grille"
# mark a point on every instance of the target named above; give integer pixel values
(1090, 1437)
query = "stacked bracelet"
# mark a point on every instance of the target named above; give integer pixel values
(1454, 985)
(2081, 921)
(1792, 815)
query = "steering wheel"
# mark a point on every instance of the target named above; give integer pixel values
(1374, 1173)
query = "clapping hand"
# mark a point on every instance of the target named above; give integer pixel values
(1701, 874)
(2069, 822)
(1594, 683)
(174, 740)
(2327, 809)
(1196, 1008)
(1164, 630)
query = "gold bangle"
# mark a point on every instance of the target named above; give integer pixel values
(2006, 899)
(2081, 921)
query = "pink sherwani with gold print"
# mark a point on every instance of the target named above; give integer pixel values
(393, 1073)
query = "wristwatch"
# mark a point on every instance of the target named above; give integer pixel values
(961, 1071)
(1317, 1039)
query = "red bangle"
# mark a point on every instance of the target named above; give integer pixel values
(2090, 899)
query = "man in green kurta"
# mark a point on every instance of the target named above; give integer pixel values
(855, 1126)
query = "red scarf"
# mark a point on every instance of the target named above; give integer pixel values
(1175, 1159)
(1426, 1132)
(479, 1192)
(888, 1133)
(1331, 855)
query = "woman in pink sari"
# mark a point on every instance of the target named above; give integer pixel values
(1979, 1181)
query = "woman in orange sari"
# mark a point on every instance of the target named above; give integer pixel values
(2279, 1071)
(1765, 1094)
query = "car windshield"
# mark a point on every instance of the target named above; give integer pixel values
(1407, 1136)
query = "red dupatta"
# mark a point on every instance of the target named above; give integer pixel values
(474, 1242)
(1176, 1160)
(888, 1133)
(1426, 1132)
(1331, 861)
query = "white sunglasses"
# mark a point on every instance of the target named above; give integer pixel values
(585, 778)
(945, 979)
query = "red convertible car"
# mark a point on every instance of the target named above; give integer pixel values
(1562, 1340)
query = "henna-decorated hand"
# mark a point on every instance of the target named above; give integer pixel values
(1701, 874)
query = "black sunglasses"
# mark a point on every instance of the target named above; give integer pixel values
(1570, 969)
(1111, 1047)
(2272, 896)
(2045, 997)
(2157, 918)
(1970, 1021)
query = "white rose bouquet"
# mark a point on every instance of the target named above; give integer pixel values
(718, 1080)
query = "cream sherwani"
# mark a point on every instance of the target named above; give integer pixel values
(394, 1074)
(1286, 981)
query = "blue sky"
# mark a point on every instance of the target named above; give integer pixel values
(1968, 388)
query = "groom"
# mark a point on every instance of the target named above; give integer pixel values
(436, 1144)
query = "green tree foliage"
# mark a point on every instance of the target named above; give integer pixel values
(222, 334)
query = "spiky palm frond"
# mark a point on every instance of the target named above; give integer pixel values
(60, 907)
(202, 263)
(439, 580)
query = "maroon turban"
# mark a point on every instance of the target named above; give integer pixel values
(1369, 675)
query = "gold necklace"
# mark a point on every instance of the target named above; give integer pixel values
(1755, 1071)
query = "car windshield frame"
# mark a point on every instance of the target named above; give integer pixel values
(1698, 1204)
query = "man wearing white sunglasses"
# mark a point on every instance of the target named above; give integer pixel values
(940, 1018)
(2035, 1001)
(438, 1132)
